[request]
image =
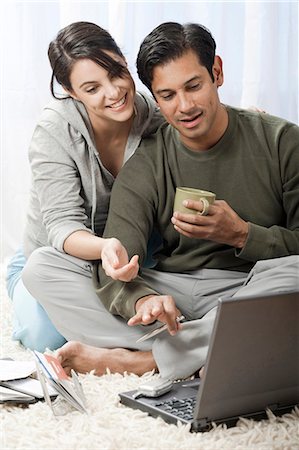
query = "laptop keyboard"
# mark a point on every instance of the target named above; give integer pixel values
(182, 408)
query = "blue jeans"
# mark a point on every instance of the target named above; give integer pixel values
(31, 324)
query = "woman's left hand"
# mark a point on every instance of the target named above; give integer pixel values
(115, 261)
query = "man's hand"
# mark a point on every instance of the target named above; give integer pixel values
(115, 261)
(156, 307)
(222, 224)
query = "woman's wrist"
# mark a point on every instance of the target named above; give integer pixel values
(85, 245)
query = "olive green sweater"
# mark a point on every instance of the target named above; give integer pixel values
(254, 167)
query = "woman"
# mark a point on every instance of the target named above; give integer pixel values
(78, 147)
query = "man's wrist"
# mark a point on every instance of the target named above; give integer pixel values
(242, 236)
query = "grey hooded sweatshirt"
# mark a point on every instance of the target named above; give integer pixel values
(70, 185)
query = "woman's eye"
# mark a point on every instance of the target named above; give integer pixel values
(91, 90)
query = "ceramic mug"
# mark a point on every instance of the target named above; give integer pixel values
(186, 193)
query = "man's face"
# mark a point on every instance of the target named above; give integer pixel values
(188, 99)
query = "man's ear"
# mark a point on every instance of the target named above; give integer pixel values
(217, 71)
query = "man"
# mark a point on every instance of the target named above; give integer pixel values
(248, 243)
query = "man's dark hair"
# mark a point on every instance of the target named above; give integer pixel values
(81, 40)
(170, 41)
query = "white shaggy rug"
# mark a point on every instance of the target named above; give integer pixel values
(111, 426)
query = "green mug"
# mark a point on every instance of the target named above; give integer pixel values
(186, 193)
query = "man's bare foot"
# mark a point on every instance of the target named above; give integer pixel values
(83, 358)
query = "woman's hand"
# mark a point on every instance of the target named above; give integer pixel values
(115, 261)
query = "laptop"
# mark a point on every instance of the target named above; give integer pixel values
(252, 365)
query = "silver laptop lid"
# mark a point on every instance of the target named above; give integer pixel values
(253, 359)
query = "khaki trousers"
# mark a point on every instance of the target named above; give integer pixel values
(63, 285)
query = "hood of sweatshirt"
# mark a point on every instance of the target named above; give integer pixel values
(146, 121)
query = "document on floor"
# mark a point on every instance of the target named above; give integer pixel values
(17, 382)
(14, 397)
(14, 370)
(51, 374)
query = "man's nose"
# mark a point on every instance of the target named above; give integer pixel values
(185, 103)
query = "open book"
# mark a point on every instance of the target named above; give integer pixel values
(49, 370)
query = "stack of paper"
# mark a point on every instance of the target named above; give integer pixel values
(16, 376)
(12, 396)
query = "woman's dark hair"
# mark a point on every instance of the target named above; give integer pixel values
(82, 40)
(170, 41)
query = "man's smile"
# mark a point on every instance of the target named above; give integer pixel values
(191, 121)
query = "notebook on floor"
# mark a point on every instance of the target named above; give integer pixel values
(252, 366)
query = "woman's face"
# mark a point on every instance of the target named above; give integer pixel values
(105, 98)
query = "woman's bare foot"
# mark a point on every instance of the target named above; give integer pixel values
(83, 358)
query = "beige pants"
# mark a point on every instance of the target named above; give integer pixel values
(63, 285)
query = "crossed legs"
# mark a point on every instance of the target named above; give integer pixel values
(99, 340)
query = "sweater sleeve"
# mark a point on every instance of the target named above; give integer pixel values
(130, 219)
(57, 185)
(280, 239)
